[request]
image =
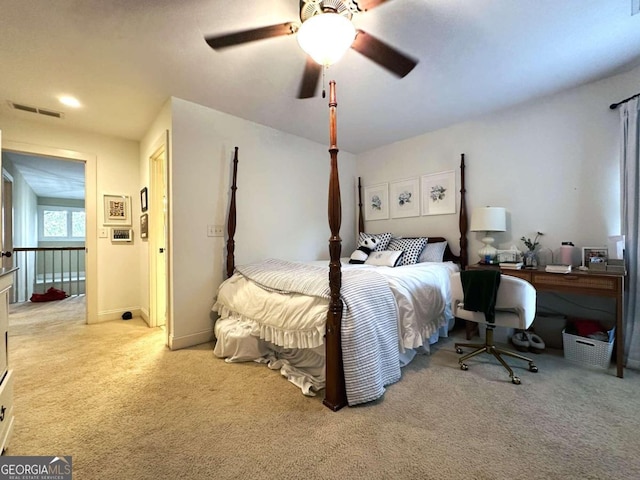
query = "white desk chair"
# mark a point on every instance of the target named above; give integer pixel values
(515, 308)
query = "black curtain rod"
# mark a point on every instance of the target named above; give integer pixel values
(613, 106)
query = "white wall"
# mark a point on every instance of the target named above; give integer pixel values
(281, 202)
(117, 173)
(553, 163)
(25, 209)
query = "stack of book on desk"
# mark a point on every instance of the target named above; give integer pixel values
(511, 265)
(558, 268)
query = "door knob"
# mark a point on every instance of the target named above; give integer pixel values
(5, 254)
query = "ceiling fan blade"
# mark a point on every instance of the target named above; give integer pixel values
(310, 78)
(364, 5)
(245, 36)
(384, 55)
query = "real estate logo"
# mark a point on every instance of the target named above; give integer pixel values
(35, 468)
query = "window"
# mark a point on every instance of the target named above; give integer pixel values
(61, 223)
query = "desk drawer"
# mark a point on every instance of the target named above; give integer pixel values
(601, 283)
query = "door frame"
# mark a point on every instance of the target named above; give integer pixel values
(7, 220)
(159, 236)
(90, 207)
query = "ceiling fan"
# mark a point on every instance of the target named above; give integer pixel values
(339, 10)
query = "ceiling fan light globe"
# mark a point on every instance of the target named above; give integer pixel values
(326, 37)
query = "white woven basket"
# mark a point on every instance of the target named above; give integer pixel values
(587, 351)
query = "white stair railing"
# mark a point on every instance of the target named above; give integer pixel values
(43, 267)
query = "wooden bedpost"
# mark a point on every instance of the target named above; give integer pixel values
(463, 218)
(335, 392)
(360, 213)
(231, 220)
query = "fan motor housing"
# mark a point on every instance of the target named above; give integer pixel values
(309, 8)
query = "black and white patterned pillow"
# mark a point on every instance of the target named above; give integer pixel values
(383, 240)
(433, 252)
(412, 248)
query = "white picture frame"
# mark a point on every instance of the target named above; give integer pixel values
(591, 255)
(404, 198)
(376, 202)
(117, 210)
(438, 193)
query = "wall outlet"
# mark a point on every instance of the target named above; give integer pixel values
(215, 230)
(103, 233)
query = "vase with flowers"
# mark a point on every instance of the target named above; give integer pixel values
(530, 257)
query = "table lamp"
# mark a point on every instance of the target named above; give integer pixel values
(488, 219)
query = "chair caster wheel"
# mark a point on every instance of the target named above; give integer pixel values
(463, 366)
(458, 350)
(533, 368)
(515, 380)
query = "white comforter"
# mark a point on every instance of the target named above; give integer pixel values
(283, 324)
(293, 320)
(422, 292)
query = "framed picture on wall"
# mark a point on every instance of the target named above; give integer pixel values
(144, 226)
(376, 202)
(404, 198)
(144, 199)
(439, 193)
(117, 210)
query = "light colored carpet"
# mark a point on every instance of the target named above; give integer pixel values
(125, 407)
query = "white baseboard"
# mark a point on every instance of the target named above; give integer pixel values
(144, 314)
(109, 315)
(176, 343)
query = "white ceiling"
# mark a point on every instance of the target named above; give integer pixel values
(123, 58)
(49, 177)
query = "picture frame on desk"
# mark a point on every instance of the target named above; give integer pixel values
(594, 255)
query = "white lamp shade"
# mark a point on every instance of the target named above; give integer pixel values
(326, 37)
(489, 219)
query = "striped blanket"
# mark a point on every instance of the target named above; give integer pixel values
(369, 320)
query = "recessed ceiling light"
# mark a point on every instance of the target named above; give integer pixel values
(69, 101)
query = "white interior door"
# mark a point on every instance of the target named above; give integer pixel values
(158, 241)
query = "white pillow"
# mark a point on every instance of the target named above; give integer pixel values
(385, 258)
(433, 252)
(412, 248)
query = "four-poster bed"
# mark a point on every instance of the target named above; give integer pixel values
(341, 339)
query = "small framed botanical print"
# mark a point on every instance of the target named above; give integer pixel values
(439, 193)
(404, 198)
(376, 202)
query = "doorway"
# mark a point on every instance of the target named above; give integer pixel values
(158, 219)
(35, 160)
